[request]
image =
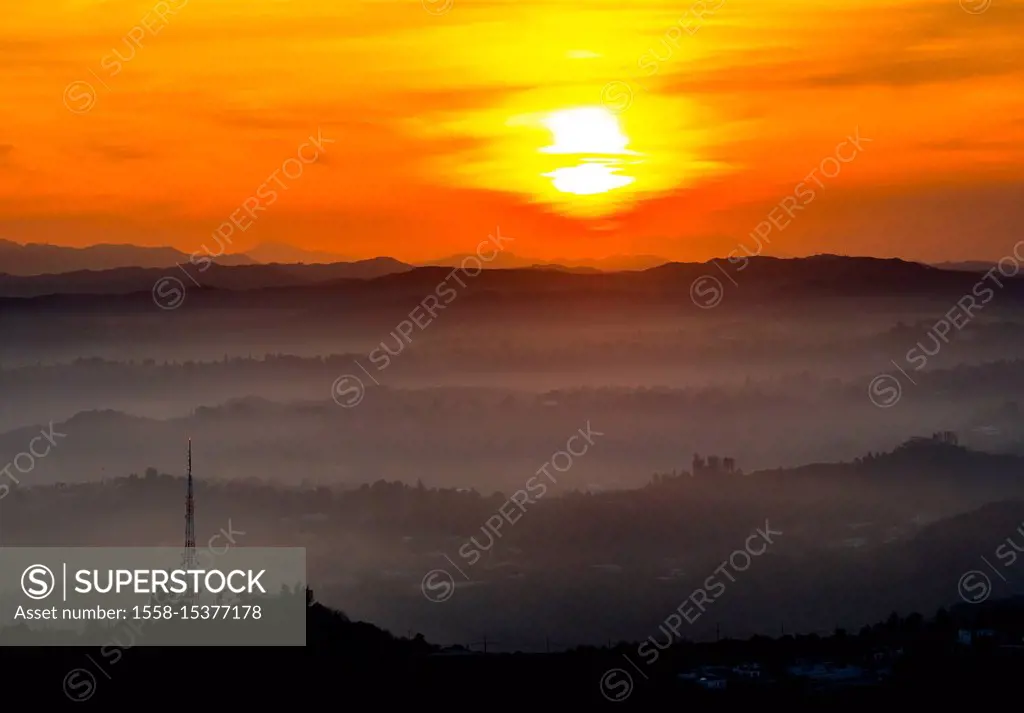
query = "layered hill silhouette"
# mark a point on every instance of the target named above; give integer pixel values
(281, 253)
(42, 259)
(812, 575)
(29, 259)
(127, 280)
(759, 277)
(908, 660)
(506, 260)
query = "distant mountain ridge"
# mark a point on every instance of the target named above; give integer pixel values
(505, 260)
(755, 278)
(129, 280)
(41, 259)
(35, 259)
(31, 259)
(284, 254)
(969, 266)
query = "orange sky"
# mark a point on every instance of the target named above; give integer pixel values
(437, 111)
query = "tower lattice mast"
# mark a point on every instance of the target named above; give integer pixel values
(189, 556)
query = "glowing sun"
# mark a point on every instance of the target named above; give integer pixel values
(592, 135)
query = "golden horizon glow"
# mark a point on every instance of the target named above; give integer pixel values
(672, 136)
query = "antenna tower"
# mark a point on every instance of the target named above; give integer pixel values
(189, 556)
